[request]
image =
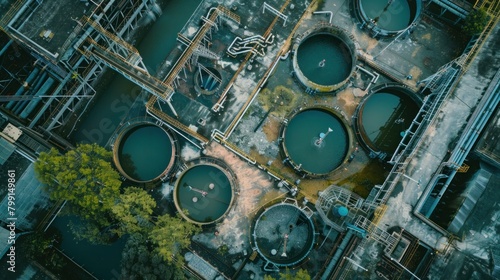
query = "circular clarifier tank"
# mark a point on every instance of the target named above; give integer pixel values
(207, 80)
(205, 191)
(324, 58)
(315, 141)
(284, 234)
(385, 115)
(144, 152)
(388, 17)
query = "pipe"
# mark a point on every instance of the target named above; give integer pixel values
(19, 13)
(239, 154)
(285, 56)
(218, 105)
(55, 216)
(172, 128)
(325, 12)
(31, 106)
(21, 89)
(6, 47)
(37, 82)
(255, 95)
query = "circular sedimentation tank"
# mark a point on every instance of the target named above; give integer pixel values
(388, 17)
(384, 116)
(205, 191)
(315, 140)
(325, 58)
(144, 152)
(283, 234)
(207, 80)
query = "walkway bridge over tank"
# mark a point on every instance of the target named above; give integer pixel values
(441, 85)
(116, 53)
(122, 57)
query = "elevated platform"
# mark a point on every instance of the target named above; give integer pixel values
(460, 9)
(488, 147)
(45, 25)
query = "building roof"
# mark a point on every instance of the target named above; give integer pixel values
(6, 149)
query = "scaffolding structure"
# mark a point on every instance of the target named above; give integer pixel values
(381, 236)
(14, 8)
(189, 58)
(333, 196)
(75, 74)
(441, 84)
(492, 8)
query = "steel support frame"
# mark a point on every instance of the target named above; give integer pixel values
(65, 106)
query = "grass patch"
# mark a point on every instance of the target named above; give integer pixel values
(281, 99)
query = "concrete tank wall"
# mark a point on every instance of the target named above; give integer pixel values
(344, 36)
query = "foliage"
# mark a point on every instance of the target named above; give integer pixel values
(133, 211)
(301, 274)
(91, 231)
(475, 22)
(139, 261)
(280, 100)
(84, 177)
(37, 246)
(171, 235)
(223, 249)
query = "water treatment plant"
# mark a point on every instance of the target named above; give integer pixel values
(205, 191)
(306, 144)
(144, 152)
(323, 139)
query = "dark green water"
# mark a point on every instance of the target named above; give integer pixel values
(111, 106)
(145, 152)
(392, 17)
(103, 117)
(216, 201)
(336, 56)
(304, 129)
(385, 116)
(103, 261)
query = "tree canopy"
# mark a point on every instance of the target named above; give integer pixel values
(84, 177)
(301, 274)
(133, 211)
(139, 261)
(475, 22)
(171, 235)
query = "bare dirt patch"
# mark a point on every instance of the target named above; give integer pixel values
(347, 100)
(271, 128)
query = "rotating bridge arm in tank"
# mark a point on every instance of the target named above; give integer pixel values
(285, 238)
(322, 136)
(203, 193)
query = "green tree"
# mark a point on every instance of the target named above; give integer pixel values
(475, 22)
(38, 246)
(84, 178)
(139, 261)
(301, 274)
(133, 211)
(170, 235)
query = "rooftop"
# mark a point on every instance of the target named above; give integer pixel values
(48, 24)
